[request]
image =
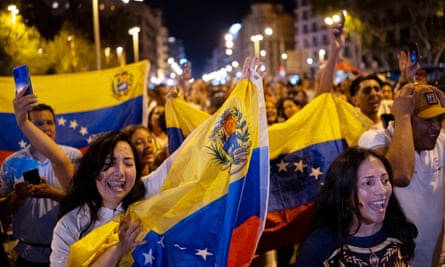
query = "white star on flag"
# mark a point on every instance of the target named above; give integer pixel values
(161, 241)
(83, 131)
(73, 124)
(22, 143)
(316, 173)
(299, 166)
(203, 253)
(61, 121)
(282, 166)
(148, 258)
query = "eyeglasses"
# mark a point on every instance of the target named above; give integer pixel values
(368, 89)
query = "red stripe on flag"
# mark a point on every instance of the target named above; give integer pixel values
(285, 227)
(240, 251)
(4, 154)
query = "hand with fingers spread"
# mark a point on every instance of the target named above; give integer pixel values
(407, 68)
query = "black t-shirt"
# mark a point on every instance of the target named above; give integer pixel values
(322, 248)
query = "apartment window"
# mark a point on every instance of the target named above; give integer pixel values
(305, 30)
(305, 15)
(325, 39)
(314, 41)
(314, 27)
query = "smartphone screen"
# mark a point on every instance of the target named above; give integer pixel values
(32, 176)
(22, 79)
(413, 52)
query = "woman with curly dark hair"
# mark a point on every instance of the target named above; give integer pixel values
(106, 182)
(357, 220)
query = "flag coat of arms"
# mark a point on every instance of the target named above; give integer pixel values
(85, 104)
(212, 206)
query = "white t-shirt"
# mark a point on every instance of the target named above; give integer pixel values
(423, 199)
(69, 227)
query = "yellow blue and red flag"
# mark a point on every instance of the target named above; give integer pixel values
(85, 104)
(212, 206)
(301, 150)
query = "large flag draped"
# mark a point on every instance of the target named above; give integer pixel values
(301, 150)
(85, 104)
(212, 206)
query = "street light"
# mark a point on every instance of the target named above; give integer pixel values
(14, 11)
(96, 32)
(120, 55)
(134, 32)
(256, 43)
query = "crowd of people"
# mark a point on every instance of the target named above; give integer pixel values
(382, 202)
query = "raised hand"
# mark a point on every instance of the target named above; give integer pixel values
(251, 69)
(22, 105)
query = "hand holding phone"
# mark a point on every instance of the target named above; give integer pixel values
(413, 52)
(22, 79)
(32, 176)
(341, 24)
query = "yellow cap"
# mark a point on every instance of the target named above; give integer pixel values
(427, 103)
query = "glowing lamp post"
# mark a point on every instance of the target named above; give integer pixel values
(14, 11)
(256, 43)
(134, 32)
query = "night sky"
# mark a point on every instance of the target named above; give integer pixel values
(201, 24)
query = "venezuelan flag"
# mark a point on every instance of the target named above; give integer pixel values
(212, 206)
(181, 120)
(301, 150)
(85, 104)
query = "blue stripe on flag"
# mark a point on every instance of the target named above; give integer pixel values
(296, 177)
(74, 129)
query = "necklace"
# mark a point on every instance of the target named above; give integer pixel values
(373, 259)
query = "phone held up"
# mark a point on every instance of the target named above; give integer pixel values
(32, 176)
(341, 22)
(413, 52)
(22, 79)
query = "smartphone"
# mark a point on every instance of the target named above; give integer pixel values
(413, 50)
(22, 79)
(342, 24)
(32, 176)
(187, 70)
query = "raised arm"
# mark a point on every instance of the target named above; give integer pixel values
(325, 83)
(401, 152)
(63, 168)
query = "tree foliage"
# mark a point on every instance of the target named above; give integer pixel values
(68, 51)
(388, 25)
(19, 44)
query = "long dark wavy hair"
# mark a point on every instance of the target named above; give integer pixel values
(84, 190)
(338, 203)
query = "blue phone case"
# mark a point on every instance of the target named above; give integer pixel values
(22, 79)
